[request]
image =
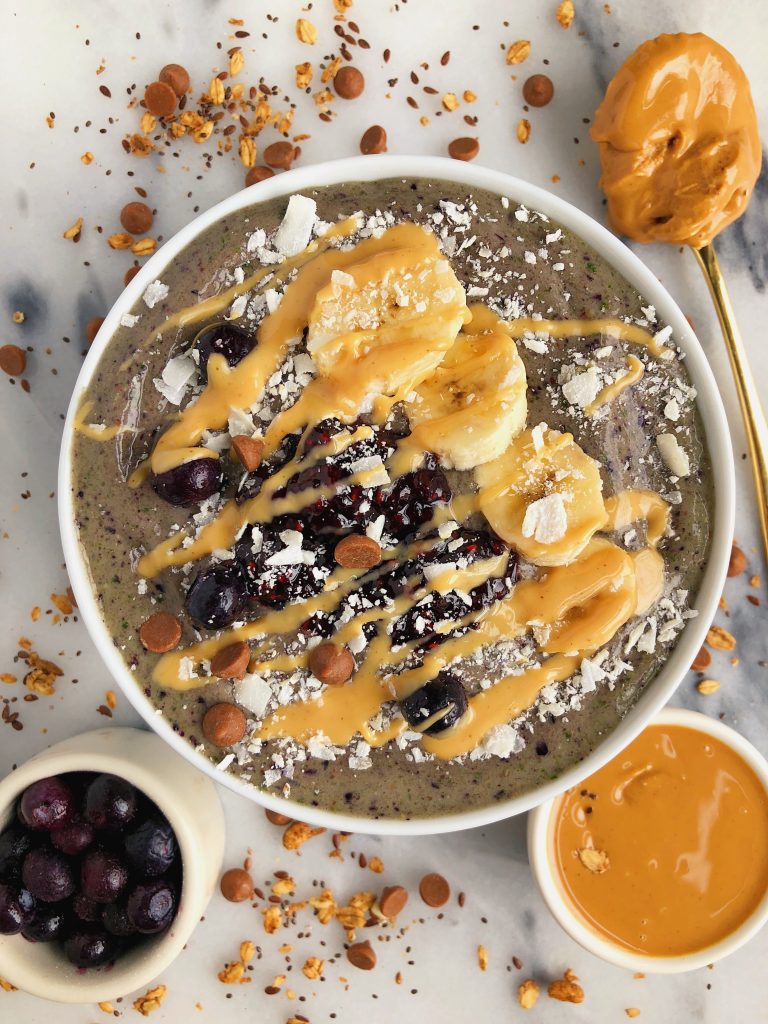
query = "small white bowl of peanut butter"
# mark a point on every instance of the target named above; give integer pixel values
(658, 862)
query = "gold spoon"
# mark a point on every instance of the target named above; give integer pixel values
(749, 400)
(680, 154)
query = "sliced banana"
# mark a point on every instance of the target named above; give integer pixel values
(543, 496)
(474, 403)
(384, 323)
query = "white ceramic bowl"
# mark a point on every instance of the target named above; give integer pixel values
(541, 857)
(189, 802)
(371, 168)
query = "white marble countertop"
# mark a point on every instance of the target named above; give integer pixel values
(52, 53)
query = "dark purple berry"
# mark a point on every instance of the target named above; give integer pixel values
(49, 923)
(151, 906)
(17, 909)
(115, 919)
(443, 696)
(15, 843)
(189, 482)
(85, 908)
(73, 839)
(217, 597)
(110, 802)
(151, 848)
(226, 340)
(46, 805)
(47, 875)
(103, 876)
(87, 947)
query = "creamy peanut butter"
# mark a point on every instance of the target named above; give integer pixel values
(664, 851)
(679, 144)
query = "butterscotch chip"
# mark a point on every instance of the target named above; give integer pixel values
(231, 662)
(136, 218)
(392, 901)
(538, 90)
(374, 140)
(737, 562)
(176, 76)
(236, 885)
(257, 174)
(280, 154)
(362, 955)
(130, 273)
(160, 633)
(224, 724)
(463, 149)
(331, 664)
(702, 660)
(249, 451)
(277, 819)
(348, 82)
(434, 890)
(357, 552)
(13, 360)
(160, 99)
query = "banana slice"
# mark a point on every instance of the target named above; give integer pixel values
(382, 324)
(474, 403)
(543, 496)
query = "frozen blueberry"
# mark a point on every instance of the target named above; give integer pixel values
(46, 805)
(151, 848)
(47, 875)
(151, 906)
(17, 908)
(115, 919)
(90, 947)
(85, 908)
(73, 839)
(226, 340)
(443, 696)
(50, 922)
(110, 802)
(217, 597)
(103, 876)
(15, 843)
(190, 482)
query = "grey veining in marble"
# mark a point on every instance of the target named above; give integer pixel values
(46, 67)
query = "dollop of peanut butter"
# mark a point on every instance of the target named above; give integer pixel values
(679, 143)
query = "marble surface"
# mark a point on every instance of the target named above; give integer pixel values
(51, 55)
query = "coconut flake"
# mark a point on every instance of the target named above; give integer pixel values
(675, 459)
(295, 231)
(545, 520)
(155, 292)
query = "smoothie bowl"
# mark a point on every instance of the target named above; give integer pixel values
(386, 494)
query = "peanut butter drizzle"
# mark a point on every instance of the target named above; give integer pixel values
(629, 506)
(96, 431)
(635, 371)
(679, 141)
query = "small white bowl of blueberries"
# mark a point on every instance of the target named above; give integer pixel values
(110, 848)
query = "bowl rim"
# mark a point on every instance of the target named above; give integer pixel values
(124, 975)
(618, 255)
(543, 870)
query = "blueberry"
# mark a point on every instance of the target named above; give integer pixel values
(103, 876)
(115, 919)
(217, 597)
(151, 848)
(90, 947)
(17, 908)
(151, 906)
(85, 908)
(15, 843)
(226, 340)
(46, 805)
(110, 802)
(49, 923)
(47, 875)
(73, 839)
(190, 482)
(443, 696)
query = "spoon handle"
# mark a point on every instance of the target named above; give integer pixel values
(749, 399)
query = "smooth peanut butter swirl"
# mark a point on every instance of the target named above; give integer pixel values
(387, 323)
(678, 138)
